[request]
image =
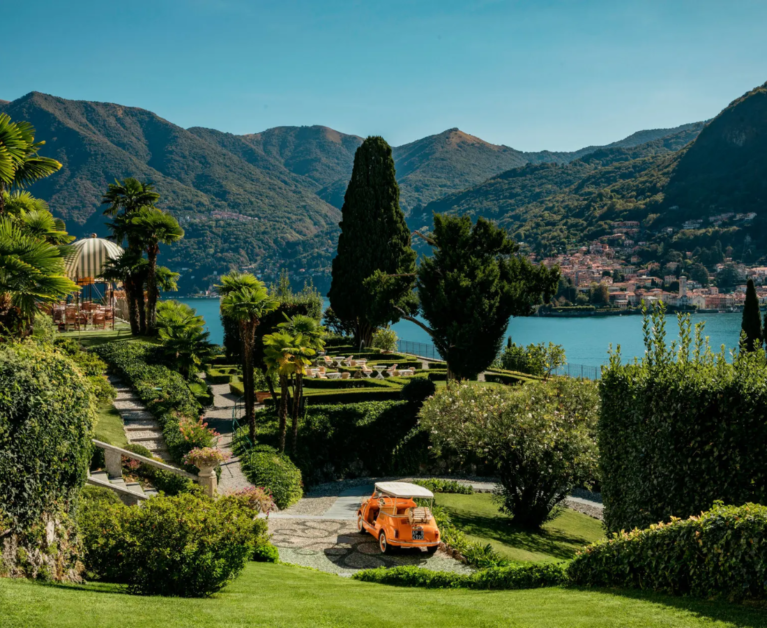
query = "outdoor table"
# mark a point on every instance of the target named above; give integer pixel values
(333, 375)
(380, 368)
(339, 361)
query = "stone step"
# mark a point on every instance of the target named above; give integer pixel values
(151, 492)
(151, 442)
(142, 434)
(101, 475)
(134, 425)
(136, 415)
(134, 487)
(129, 404)
(163, 454)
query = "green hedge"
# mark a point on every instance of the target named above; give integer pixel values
(436, 375)
(341, 384)
(351, 396)
(221, 375)
(495, 578)
(46, 426)
(165, 393)
(676, 435)
(435, 485)
(722, 553)
(507, 378)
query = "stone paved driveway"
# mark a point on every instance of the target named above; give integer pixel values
(337, 547)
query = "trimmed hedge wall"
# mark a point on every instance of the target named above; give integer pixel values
(722, 553)
(531, 576)
(677, 434)
(164, 392)
(266, 468)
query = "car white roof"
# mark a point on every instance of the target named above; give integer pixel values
(403, 489)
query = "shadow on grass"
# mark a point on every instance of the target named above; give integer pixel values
(746, 615)
(555, 543)
(112, 588)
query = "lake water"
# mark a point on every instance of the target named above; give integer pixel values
(586, 340)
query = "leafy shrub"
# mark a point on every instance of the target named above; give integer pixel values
(510, 378)
(540, 438)
(446, 486)
(166, 481)
(165, 392)
(184, 546)
(46, 426)
(531, 576)
(44, 330)
(256, 498)
(721, 553)
(681, 429)
(418, 390)
(101, 388)
(535, 359)
(385, 339)
(265, 553)
(98, 497)
(197, 433)
(276, 473)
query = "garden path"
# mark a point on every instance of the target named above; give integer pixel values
(219, 417)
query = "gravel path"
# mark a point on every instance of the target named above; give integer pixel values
(219, 417)
(337, 547)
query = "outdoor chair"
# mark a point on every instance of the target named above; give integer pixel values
(348, 361)
(345, 375)
(328, 361)
(392, 372)
(367, 372)
(70, 320)
(99, 320)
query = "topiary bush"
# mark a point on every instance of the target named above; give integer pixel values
(275, 472)
(495, 578)
(721, 553)
(418, 390)
(681, 429)
(46, 426)
(184, 546)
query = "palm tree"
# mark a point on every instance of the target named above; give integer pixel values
(20, 164)
(278, 356)
(153, 227)
(125, 198)
(31, 272)
(246, 300)
(185, 341)
(307, 336)
(130, 270)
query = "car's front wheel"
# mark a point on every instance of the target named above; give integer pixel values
(383, 544)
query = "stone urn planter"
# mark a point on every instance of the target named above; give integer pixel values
(206, 459)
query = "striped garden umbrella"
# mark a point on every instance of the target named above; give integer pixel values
(89, 257)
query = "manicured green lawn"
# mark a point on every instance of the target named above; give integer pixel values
(478, 516)
(285, 596)
(109, 425)
(100, 337)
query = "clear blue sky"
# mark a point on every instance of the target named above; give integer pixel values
(555, 74)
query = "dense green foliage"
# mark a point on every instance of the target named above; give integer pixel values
(513, 577)
(539, 438)
(165, 393)
(46, 421)
(680, 429)
(183, 546)
(353, 439)
(46, 424)
(165, 481)
(435, 485)
(721, 553)
(535, 359)
(471, 286)
(275, 472)
(374, 238)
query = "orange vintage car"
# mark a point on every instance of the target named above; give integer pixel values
(393, 517)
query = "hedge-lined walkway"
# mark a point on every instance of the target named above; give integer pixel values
(141, 427)
(219, 417)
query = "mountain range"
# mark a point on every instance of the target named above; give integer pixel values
(272, 199)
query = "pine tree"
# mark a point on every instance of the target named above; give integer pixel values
(374, 240)
(752, 319)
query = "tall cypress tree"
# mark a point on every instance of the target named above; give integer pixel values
(752, 319)
(374, 240)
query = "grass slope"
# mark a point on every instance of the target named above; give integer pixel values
(109, 425)
(478, 517)
(281, 595)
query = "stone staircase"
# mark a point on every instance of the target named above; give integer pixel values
(141, 428)
(102, 478)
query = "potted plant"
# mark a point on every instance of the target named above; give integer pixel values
(206, 459)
